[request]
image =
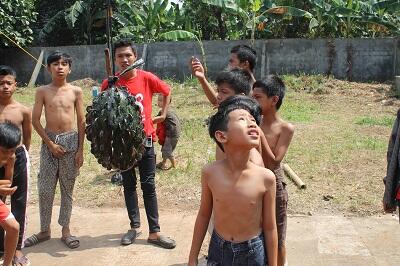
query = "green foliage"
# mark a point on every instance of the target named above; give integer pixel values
(16, 17)
(83, 22)
(85, 18)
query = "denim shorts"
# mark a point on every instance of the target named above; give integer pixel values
(222, 252)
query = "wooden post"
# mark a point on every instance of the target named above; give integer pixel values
(36, 70)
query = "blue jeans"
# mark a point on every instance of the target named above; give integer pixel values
(222, 252)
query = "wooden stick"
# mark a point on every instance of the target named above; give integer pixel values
(295, 178)
(108, 62)
(36, 70)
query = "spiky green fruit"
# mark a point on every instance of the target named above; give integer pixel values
(115, 129)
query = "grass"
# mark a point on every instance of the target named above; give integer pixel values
(375, 121)
(338, 149)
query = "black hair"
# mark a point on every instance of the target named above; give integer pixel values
(272, 86)
(6, 70)
(238, 79)
(57, 55)
(245, 53)
(10, 135)
(219, 121)
(125, 43)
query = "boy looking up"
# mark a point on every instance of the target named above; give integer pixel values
(61, 153)
(10, 138)
(19, 115)
(277, 135)
(241, 194)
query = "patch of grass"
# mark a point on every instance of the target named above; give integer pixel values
(375, 121)
(298, 109)
(308, 83)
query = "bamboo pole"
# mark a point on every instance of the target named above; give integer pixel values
(293, 176)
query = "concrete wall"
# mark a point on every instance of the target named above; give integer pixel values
(354, 59)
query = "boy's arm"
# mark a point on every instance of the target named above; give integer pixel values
(55, 149)
(27, 127)
(202, 220)
(266, 152)
(5, 183)
(80, 124)
(198, 72)
(164, 109)
(283, 142)
(269, 220)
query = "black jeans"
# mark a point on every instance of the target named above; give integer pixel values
(147, 169)
(20, 196)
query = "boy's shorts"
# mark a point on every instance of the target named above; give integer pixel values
(169, 146)
(223, 252)
(5, 213)
(281, 206)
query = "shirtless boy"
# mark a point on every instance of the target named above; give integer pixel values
(242, 56)
(277, 136)
(241, 193)
(20, 115)
(10, 139)
(61, 153)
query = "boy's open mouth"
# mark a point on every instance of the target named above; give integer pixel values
(253, 132)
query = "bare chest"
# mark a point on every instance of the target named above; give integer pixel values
(11, 113)
(60, 101)
(240, 194)
(272, 134)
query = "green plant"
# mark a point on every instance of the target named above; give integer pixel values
(16, 17)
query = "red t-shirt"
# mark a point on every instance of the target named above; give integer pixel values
(143, 86)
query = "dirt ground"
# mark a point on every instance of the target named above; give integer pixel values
(311, 240)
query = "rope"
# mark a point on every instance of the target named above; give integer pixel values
(21, 48)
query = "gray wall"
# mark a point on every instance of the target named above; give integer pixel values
(353, 59)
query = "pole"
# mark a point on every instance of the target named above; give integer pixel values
(109, 34)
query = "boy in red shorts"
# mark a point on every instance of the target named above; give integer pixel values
(10, 138)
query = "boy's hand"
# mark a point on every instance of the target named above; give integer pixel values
(6, 189)
(57, 150)
(197, 68)
(79, 159)
(158, 119)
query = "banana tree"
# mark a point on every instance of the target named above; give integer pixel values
(348, 18)
(146, 22)
(84, 16)
(254, 12)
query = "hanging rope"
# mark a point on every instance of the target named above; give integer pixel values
(2, 33)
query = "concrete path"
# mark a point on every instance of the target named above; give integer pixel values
(311, 240)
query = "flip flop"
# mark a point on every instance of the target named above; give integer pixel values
(34, 240)
(71, 241)
(21, 261)
(163, 241)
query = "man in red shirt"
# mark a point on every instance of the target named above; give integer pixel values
(142, 85)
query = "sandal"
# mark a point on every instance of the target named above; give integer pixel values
(130, 237)
(34, 240)
(162, 166)
(163, 241)
(71, 241)
(21, 261)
